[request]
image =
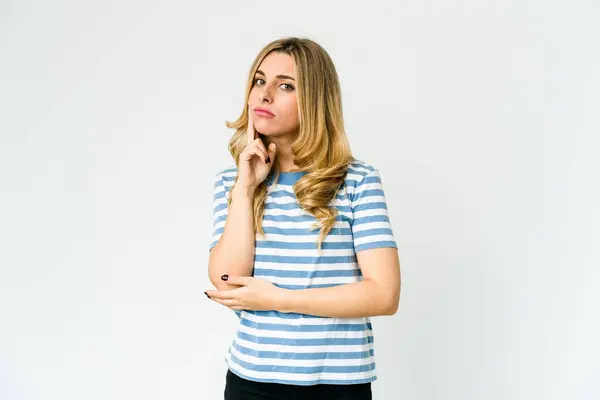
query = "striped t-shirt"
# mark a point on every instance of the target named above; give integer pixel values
(301, 349)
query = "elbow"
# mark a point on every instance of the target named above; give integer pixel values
(215, 271)
(218, 283)
(218, 266)
(391, 310)
(215, 280)
(391, 304)
(388, 299)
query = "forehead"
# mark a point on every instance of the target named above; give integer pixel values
(278, 64)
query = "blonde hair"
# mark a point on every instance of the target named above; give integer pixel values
(322, 148)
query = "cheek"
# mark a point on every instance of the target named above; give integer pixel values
(252, 97)
(291, 111)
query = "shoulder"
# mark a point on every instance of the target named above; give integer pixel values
(358, 171)
(362, 178)
(226, 176)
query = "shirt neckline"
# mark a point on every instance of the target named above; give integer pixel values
(288, 178)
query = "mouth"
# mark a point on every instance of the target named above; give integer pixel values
(261, 112)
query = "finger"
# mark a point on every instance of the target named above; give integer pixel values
(228, 303)
(259, 143)
(239, 280)
(223, 294)
(254, 151)
(250, 131)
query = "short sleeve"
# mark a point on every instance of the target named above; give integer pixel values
(219, 207)
(371, 226)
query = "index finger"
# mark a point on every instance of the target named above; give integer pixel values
(250, 131)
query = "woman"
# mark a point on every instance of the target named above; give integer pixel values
(302, 248)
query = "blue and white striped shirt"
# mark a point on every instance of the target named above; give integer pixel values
(300, 349)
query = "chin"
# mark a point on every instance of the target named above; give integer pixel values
(265, 129)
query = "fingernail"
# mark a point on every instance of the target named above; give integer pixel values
(268, 159)
(225, 277)
(207, 295)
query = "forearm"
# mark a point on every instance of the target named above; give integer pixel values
(234, 252)
(353, 300)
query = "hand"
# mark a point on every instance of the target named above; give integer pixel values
(253, 294)
(255, 160)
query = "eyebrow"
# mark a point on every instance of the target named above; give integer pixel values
(278, 76)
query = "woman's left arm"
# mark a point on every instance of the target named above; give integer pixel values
(377, 294)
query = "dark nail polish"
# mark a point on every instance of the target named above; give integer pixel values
(207, 295)
(225, 277)
(268, 160)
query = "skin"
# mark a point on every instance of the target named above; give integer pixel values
(234, 253)
(277, 95)
(379, 291)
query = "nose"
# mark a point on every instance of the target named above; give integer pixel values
(264, 96)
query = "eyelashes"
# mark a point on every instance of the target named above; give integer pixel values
(287, 84)
(291, 87)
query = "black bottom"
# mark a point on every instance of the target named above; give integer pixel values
(237, 388)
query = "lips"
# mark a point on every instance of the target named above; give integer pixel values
(263, 112)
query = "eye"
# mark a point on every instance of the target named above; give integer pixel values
(257, 79)
(287, 84)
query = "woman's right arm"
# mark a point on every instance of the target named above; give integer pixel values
(234, 252)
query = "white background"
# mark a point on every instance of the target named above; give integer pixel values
(482, 117)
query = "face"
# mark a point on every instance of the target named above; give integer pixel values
(274, 90)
